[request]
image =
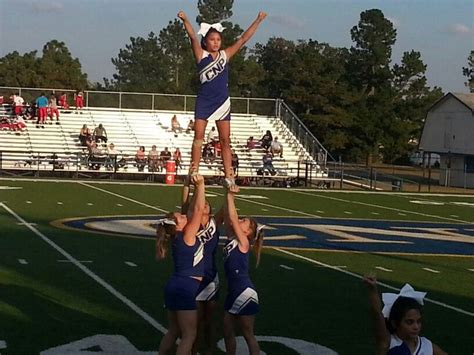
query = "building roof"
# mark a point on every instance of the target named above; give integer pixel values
(466, 99)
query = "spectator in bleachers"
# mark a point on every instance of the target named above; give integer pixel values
(79, 99)
(175, 126)
(19, 124)
(190, 127)
(140, 158)
(268, 164)
(235, 163)
(42, 105)
(276, 148)
(97, 156)
(63, 101)
(112, 155)
(212, 136)
(18, 104)
(31, 111)
(165, 155)
(177, 158)
(53, 108)
(153, 160)
(251, 143)
(208, 153)
(266, 140)
(100, 134)
(84, 135)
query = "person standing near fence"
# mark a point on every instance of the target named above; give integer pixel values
(42, 105)
(213, 101)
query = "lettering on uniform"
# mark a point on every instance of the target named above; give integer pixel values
(213, 71)
(229, 247)
(206, 234)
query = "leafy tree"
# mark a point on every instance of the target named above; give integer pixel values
(469, 72)
(58, 69)
(178, 57)
(140, 66)
(20, 70)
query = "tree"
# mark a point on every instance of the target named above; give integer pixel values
(140, 66)
(368, 72)
(20, 70)
(469, 72)
(178, 57)
(58, 69)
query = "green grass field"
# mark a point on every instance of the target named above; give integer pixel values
(83, 290)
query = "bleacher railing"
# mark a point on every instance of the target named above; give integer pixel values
(171, 102)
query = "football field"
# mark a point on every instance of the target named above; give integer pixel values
(78, 273)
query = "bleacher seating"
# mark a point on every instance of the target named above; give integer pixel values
(129, 129)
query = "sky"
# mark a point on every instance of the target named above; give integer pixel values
(95, 30)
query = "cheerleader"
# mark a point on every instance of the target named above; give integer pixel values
(209, 289)
(183, 286)
(213, 102)
(398, 323)
(241, 304)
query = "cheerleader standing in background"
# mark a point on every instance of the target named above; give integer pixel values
(213, 102)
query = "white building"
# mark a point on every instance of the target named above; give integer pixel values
(449, 132)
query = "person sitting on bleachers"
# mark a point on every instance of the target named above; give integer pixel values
(175, 126)
(140, 158)
(100, 134)
(267, 165)
(266, 140)
(276, 148)
(84, 134)
(97, 157)
(165, 155)
(112, 155)
(212, 136)
(30, 111)
(251, 143)
(18, 124)
(190, 127)
(208, 153)
(153, 160)
(235, 162)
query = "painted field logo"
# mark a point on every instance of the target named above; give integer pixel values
(321, 234)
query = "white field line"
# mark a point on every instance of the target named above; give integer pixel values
(3, 344)
(272, 206)
(123, 197)
(129, 263)
(431, 270)
(286, 267)
(90, 273)
(383, 207)
(79, 261)
(383, 269)
(459, 310)
(23, 261)
(142, 183)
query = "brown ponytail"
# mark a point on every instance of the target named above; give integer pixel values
(164, 233)
(256, 238)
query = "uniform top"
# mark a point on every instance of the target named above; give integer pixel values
(42, 101)
(18, 101)
(53, 102)
(188, 260)
(236, 263)
(209, 237)
(398, 347)
(213, 76)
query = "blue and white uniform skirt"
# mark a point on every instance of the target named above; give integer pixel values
(242, 298)
(209, 289)
(212, 111)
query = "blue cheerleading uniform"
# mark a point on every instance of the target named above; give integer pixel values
(398, 347)
(181, 289)
(213, 101)
(242, 298)
(209, 237)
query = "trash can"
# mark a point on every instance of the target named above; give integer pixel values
(170, 172)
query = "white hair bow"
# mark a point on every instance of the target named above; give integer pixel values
(166, 221)
(406, 291)
(260, 227)
(205, 27)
